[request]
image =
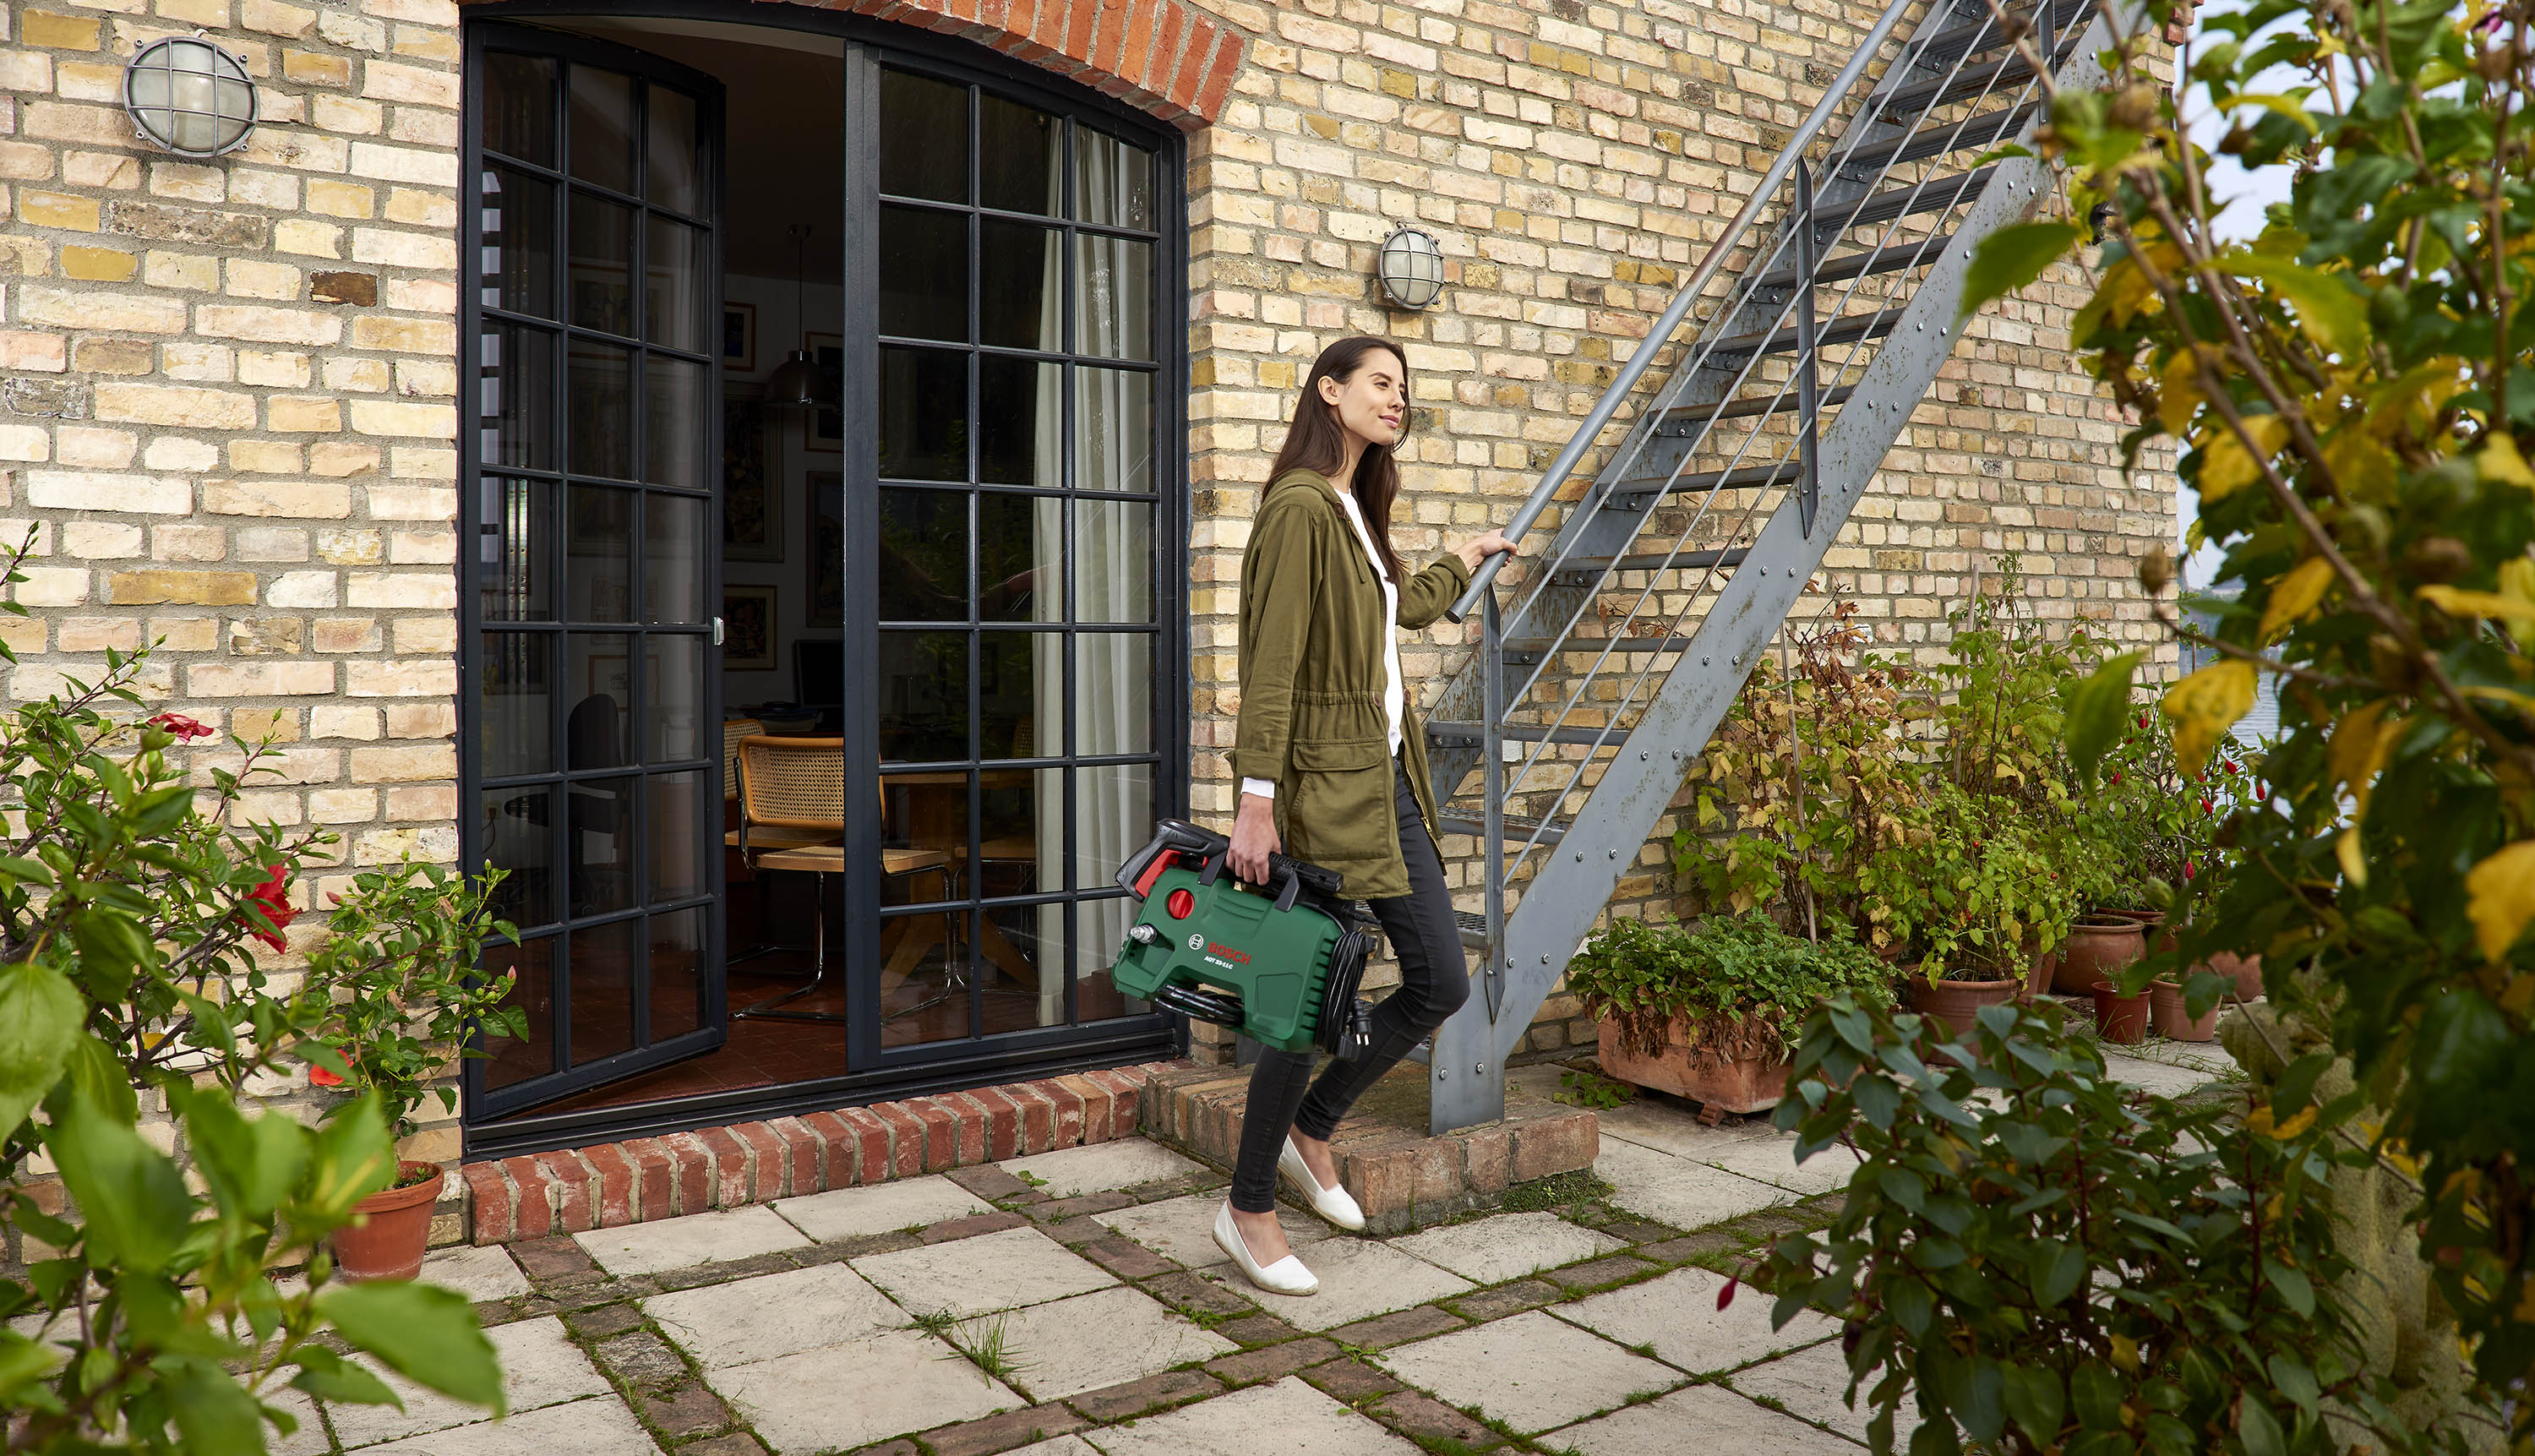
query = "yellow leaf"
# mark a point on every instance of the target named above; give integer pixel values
(2259, 1122)
(2457, 601)
(2499, 461)
(2225, 467)
(2359, 741)
(2354, 864)
(2125, 291)
(2499, 897)
(2294, 597)
(2125, 1352)
(2178, 392)
(2361, 463)
(2204, 705)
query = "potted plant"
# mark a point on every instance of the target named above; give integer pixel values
(1975, 899)
(1712, 1012)
(397, 973)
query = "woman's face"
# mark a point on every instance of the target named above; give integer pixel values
(1373, 404)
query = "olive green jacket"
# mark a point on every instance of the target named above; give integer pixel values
(1311, 682)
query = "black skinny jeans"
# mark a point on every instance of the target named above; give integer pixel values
(1433, 981)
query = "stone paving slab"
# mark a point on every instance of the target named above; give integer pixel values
(1064, 1446)
(1507, 1246)
(697, 1238)
(1668, 1128)
(1182, 1230)
(880, 1208)
(1701, 1418)
(1284, 1418)
(2158, 1078)
(586, 1428)
(1677, 1316)
(1531, 1372)
(1087, 1341)
(1359, 1278)
(540, 1366)
(1772, 1159)
(1812, 1383)
(481, 1272)
(1070, 1173)
(837, 1397)
(1004, 1270)
(1678, 1192)
(773, 1314)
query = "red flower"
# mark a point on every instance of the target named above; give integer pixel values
(2190, 870)
(2117, 778)
(319, 1077)
(2208, 807)
(180, 725)
(272, 897)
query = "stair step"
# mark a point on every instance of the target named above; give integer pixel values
(1847, 329)
(1933, 195)
(1679, 415)
(1514, 829)
(1623, 646)
(1474, 934)
(1702, 482)
(1988, 127)
(1468, 734)
(1974, 37)
(1915, 254)
(1971, 81)
(1585, 571)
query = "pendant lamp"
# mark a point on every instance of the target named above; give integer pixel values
(796, 383)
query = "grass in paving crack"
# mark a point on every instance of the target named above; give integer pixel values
(992, 1351)
(939, 1324)
(1557, 1195)
(1031, 1178)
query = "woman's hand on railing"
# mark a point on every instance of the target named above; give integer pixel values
(1254, 838)
(1481, 549)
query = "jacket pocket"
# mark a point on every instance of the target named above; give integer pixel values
(1340, 803)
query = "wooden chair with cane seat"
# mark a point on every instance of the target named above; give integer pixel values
(798, 785)
(755, 837)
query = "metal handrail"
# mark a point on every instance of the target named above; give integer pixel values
(1644, 357)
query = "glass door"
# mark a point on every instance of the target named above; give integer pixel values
(591, 729)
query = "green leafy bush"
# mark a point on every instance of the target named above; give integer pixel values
(2043, 1260)
(1742, 986)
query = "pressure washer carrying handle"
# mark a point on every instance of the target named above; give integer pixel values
(1211, 853)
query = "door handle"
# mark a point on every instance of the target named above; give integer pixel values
(716, 631)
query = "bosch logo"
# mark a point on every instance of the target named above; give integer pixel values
(1237, 957)
(1196, 942)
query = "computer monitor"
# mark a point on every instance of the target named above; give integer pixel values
(819, 674)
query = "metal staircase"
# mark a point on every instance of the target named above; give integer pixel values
(1601, 674)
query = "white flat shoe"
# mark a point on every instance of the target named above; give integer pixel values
(1286, 1276)
(1337, 1205)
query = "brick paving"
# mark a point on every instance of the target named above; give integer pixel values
(985, 1317)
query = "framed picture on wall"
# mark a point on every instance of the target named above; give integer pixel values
(824, 427)
(751, 487)
(739, 338)
(827, 546)
(748, 629)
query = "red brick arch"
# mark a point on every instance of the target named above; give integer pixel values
(1163, 57)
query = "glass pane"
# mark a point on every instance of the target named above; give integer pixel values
(1113, 182)
(919, 998)
(601, 274)
(673, 559)
(1099, 929)
(1113, 431)
(674, 691)
(1113, 696)
(1113, 816)
(1113, 297)
(519, 106)
(517, 730)
(674, 421)
(515, 550)
(677, 970)
(677, 167)
(923, 574)
(602, 128)
(923, 415)
(675, 298)
(1113, 561)
(826, 544)
(596, 732)
(1021, 694)
(924, 274)
(516, 1062)
(601, 408)
(923, 137)
(752, 488)
(519, 219)
(1017, 288)
(1021, 156)
(598, 842)
(1020, 422)
(923, 686)
(606, 961)
(516, 406)
(519, 841)
(598, 570)
(679, 815)
(1020, 549)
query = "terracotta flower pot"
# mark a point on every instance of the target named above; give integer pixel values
(2168, 1014)
(2248, 971)
(2119, 1019)
(1957, 1003)
(2097, 947)
(388, 1240)
(1750, 1085)
(2038, 977)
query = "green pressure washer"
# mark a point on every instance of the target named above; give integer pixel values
(1280, 963)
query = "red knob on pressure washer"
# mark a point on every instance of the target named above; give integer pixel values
(1180, 903)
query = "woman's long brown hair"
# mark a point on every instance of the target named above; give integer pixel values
(1317, 441)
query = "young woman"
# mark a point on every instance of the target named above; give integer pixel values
(1333, 768)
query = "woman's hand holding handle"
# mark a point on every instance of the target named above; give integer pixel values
(1481, 549)
(1254, 838)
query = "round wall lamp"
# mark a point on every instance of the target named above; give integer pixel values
(190, 97)
(1412, 267)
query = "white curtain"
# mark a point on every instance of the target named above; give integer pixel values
(1047, 660)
